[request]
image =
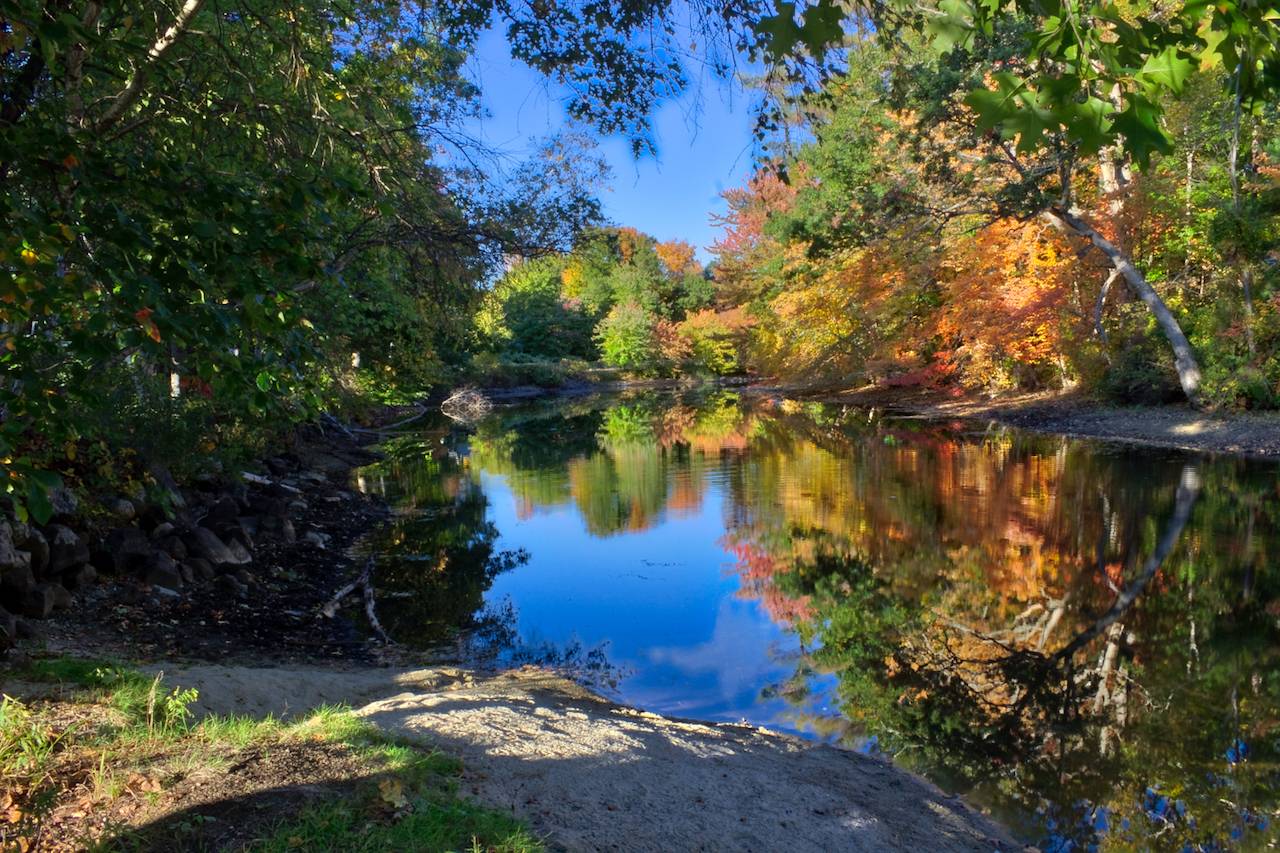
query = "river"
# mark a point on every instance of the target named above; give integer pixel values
(1081, 638)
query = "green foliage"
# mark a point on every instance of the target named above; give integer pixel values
(625, 337)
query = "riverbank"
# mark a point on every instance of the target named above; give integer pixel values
(1178, 427)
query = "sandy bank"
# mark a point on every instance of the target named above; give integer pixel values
(588, 774)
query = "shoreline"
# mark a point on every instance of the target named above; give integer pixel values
(1253, 435)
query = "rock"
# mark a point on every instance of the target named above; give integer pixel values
(27, 631)
(163, 530)
(8, 629)
(241, 553)
(8, 552)
(225, 511)
(246, 577)
(62, 599)
(229, 584)
(287, 532)
(174, 547)
(79, 577)
(316, 538)
(38, 547)
(188, 575)
(163, 571)
(37, 602)
(122, 509)
(65, 504)
(201, 569)
(124, 550)
(66, 549)
(203, 543)
(15, 582)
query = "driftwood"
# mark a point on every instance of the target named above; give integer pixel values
(363, 581)
(466, 404)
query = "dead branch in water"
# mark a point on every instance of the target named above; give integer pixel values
(363, 581)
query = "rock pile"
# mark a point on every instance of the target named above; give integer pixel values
(207, 536)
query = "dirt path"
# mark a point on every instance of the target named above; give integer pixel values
(588, 774)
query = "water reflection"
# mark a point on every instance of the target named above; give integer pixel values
(1081, 638)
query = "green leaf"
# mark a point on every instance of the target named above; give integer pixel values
(1090, 124)
(1139, 128)
(1166, 69)
(263, 381)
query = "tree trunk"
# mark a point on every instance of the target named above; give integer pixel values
(1184, 358)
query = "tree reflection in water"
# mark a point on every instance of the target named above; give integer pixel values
(1082, 639)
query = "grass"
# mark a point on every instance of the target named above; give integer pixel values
(107, 746)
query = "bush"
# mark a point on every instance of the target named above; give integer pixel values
(1139, 376)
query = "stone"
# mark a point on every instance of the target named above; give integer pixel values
(78, 577)
(38, 546)
(229, 584)
(287, 533)
(28, 631)
(246, 577)
(8, 551)
(65, 504)
(8, 629)
(124, 550)
(66, 549)
(37, 602)
(225, 511)
(163, 530)
(122, 509)
(163, 571)
(188, 576)
(316, 538)
(201, 568)
(203, 543)
(15, 583)
(174, 547)
(62, 599)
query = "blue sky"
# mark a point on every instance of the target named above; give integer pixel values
(704, 146)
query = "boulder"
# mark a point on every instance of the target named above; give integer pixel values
(124, 550)
(228, 584)
(174, 547)
(79, 577)
(15, 582)
(66, 549)
(201, 569)
(203, 543)
(37, 602)
(61, 598)
(8, 629)
(8, 551)
(163, 530)
(163, 571)
(38, 546)
(122, 509)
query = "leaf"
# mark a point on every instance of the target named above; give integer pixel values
(954, 26)
(1166, 69)
(994, 107)
(1139, 127)
(263, 381)
(392, 793)
(780, 31)
(1090, 124)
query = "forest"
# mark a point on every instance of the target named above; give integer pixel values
(230, 218)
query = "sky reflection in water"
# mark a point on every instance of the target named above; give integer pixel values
(1079, 637)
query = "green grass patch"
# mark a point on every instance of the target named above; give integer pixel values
(107, 729)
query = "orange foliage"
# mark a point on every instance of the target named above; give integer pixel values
(677, 257)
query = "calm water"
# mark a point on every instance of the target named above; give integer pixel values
(1083, 639)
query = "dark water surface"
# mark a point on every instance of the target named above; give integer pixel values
(1081, 638)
